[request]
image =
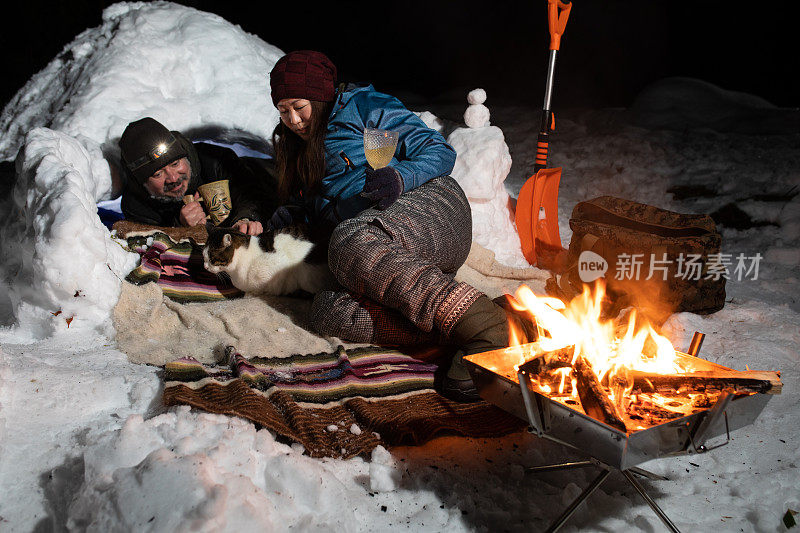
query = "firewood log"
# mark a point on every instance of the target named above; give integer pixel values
(549, 361)
(594, 398)
(765, 382)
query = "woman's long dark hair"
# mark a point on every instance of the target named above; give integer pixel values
(301, 164)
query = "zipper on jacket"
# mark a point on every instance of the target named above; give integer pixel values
(346, 160)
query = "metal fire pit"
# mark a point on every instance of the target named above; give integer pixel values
(498, 382)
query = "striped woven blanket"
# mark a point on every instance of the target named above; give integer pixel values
(337, 404)
(178, 268)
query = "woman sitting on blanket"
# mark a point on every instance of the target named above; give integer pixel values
(398, 233)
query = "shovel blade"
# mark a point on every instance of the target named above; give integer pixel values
(537, 217)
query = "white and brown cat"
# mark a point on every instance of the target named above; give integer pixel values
(275, 262)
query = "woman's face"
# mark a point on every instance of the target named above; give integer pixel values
(296, 115)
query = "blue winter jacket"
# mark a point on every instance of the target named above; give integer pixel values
(422, 153)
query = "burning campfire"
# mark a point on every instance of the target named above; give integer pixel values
(625, 375)
(615, 390)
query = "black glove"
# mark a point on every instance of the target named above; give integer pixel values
(384, 186)
(284, 216)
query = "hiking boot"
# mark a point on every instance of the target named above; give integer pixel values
(483, 327)
(457, 385)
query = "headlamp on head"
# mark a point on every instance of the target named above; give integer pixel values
(153, 155)
(146, 146)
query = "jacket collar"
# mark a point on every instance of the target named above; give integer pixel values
(194, 162)
(345, 92)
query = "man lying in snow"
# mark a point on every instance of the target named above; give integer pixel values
(162, 166)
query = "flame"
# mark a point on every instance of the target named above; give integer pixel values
(564, 373)
(612, 351)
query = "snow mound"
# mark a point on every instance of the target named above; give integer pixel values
(483, 162)
(60, 265)
(186, 470)
(188, 69)
(181, 66)
(687, 103)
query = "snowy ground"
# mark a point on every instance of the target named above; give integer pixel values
(85, 443)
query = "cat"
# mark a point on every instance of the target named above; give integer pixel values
(274, 263)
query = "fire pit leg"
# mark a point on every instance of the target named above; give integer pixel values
(555, 526)
(560, 466)
(646, 473)
(605, 471)
(653, 505)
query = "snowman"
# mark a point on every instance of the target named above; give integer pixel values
(482, 165)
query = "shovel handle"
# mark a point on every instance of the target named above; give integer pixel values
(557, 16)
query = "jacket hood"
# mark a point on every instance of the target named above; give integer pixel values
(347, 91)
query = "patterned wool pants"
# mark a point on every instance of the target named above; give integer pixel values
(397, 267)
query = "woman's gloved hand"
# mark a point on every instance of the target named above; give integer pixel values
(384, 186)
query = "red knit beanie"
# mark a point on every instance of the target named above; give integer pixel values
(303, 74)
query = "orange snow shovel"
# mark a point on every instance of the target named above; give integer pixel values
(540, 192)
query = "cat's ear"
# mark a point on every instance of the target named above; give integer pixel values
(226, 240)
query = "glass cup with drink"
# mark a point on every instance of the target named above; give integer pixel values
(379, 146)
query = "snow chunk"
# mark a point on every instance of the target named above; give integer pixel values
(183, 67)
(61, 267)
(431, 120)
(482, 163)
(476, 96)
(477, 114)
(384, 476)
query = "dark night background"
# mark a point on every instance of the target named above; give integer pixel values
(434, 50)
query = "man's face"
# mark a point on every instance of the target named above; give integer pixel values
(170, 181)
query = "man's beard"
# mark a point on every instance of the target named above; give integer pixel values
(171, 200)
(166, 200)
